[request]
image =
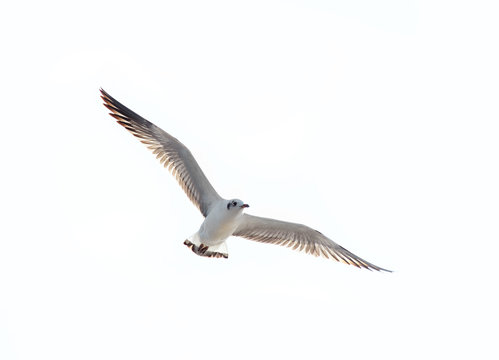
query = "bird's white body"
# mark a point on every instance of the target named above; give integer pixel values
(220, 223)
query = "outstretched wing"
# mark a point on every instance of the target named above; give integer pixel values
(298, 237)
(170, 152)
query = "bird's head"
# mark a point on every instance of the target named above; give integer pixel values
(236, 205)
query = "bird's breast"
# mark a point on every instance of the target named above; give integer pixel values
(217, 227)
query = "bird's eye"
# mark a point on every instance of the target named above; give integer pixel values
(234, 203)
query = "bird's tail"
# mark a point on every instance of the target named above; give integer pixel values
(216, 251)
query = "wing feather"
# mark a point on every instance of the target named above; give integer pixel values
(171, 153)
(298, 237)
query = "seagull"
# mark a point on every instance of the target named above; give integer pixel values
(223, 217)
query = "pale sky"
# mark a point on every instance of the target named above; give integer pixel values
(376, 123)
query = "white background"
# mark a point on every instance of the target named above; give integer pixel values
(373, 122)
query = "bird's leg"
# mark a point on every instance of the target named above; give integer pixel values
(203, 248)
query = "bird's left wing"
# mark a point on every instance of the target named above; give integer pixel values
(170, 152)
(298, 237)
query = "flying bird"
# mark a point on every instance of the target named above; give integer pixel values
(223, 217)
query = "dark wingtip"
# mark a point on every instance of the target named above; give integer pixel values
(377, 268)
(116, 107)
(105, 96)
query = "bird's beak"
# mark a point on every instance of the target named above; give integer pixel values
(244, 205)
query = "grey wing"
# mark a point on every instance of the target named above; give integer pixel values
(170, 152)
(298, 237)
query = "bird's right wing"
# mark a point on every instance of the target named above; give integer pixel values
(299, 237)
(170, 152)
